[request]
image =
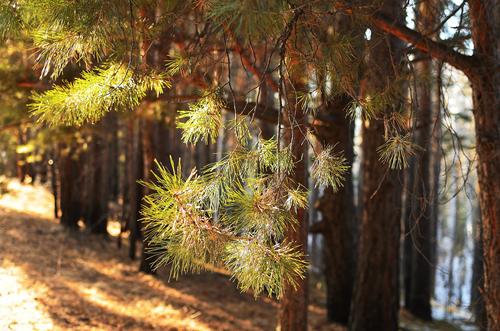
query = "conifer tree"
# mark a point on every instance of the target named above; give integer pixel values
(244, 211)
(376, 294)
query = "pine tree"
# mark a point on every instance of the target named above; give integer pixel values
(244, 211)
(419, 230)
(375, 303)
(236, 211)
(477, 67)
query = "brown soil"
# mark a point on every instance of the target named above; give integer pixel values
(54, 280)
(51, 279)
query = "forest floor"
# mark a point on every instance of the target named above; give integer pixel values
(54, 280)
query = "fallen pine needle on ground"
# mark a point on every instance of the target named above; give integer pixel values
(55, 280)
(52, 279)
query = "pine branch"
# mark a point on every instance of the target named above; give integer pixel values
(463, 62)
(90, 97)
(246, 237)
(251, 66)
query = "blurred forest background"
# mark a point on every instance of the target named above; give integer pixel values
(347, 157)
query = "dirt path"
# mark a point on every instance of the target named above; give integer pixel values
(52, 280)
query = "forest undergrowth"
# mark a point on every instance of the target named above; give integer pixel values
(54, 281)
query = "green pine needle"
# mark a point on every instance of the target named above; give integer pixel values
(262, 268)
(202, 121)
(396, 151)
(89, 98)
(329, 169)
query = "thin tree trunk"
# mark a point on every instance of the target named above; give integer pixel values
(435, 173)
(148, 130)
(20, 159)
(409, 203)
(134, 173)
(293, 308)
(477, 286)
(97, 173)
(53, 182)
(487, 120)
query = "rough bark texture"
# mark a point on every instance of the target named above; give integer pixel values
(485, 20)
(293, 308)
(487, 120)
(338, 216)
(483, 70)
(376, 292)
(338, 225)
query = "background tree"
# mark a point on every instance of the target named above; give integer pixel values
(376, 294)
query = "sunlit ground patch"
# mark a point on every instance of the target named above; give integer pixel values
(29, 199)
(19, 309)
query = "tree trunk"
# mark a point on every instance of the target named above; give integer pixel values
(477, 286)
(148, 156)
(338, 216)
(486, 91)
(114, 153)
(53, 182)
(20, 158)
(98, 180)
(376, 288)
(293, 308)
(70, 180)
(409, 202)
(134, 164)
(421, 227)
(485, 20)
(436, 139)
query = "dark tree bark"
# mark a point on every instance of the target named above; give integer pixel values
(148, 156)
(436, 157)
(338, 225)
(97, 179)
(293, 308)
(114, 153)
(485, 19)
(419, 232)
(482, 70)
(70, 175)
(409, 202)
(477, 286)
(134, 164)
(376, 288)
(338, 214)
(53, 182)
(21, 165)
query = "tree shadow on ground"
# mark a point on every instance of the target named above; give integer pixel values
(87, 282)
